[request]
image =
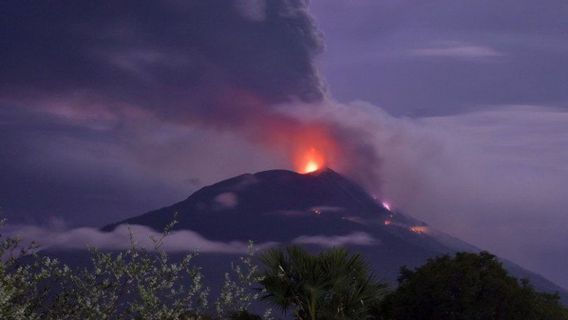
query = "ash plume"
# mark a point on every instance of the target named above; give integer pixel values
(233, 66)
(198, 60)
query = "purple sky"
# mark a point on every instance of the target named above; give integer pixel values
(107, 111)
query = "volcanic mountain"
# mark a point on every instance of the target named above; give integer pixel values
(317, 209)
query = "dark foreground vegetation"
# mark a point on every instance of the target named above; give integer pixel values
(333, 284)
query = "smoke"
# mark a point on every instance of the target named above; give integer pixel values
(174, 58)
(175, 61)
(494, 178)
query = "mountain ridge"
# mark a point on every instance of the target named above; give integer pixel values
(282, 206)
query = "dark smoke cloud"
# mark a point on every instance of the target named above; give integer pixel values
(226, 65)
(198, 60)
(93, 93)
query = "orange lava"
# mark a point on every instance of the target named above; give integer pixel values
(311, 167)
(419, 229)
(312, 160)
(312, 148)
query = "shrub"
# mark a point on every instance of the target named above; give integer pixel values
(131, 284)
(467, 286)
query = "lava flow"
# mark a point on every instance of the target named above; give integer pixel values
(419, 229)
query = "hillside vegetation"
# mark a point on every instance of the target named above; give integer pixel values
(332, 284)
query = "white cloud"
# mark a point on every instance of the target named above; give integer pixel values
(356, 238)
(119, 239)
(227, 200)
(458, 51)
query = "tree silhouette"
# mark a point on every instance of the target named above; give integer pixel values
(330, 285)
(467, 286)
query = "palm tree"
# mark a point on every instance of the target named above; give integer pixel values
(330, 285)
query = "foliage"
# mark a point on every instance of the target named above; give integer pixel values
(244, 315)
(330, 285)
(334, 284)
(19, 293)
(133, 284)
(239, 292)
(467, 286)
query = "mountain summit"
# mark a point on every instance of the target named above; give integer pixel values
(276, 205)
(317, 209)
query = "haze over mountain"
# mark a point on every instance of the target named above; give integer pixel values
(317, 209)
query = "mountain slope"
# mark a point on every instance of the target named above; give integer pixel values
(317, 209)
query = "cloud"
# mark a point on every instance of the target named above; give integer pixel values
(495, 178)
(356, 238)
(120, 239)
(458, 51)
(104, 175)
(112, 68)
(171, 58)
(252, 9)
(112, 90)
(227, 200)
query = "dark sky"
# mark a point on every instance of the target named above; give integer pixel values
(109, 109)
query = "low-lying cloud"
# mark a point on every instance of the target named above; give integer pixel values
(355, 238)
(123, 237)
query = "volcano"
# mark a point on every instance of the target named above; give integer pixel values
(317, 209)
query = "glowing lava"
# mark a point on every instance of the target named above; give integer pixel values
(419, 229)
(311, 161)
(311, 167)
(386, 205)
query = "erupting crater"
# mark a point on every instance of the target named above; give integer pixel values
(311, 161)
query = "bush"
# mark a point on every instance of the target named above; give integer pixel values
(467, 286)
(334, 284)
(133, 284)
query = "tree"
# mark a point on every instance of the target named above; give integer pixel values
(239, 292)
(245, 315)
(132, 284)
(467, 286)
(330, 285)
